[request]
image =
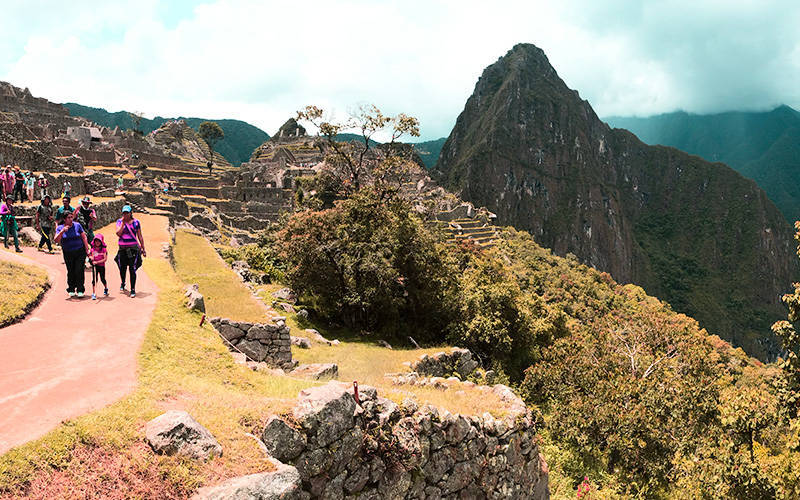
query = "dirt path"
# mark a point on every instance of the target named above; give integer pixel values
(72, 356)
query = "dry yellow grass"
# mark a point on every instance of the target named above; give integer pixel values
(23, 285)
(196, 261)
(368, 363)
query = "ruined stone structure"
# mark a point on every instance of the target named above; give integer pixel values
(338, 444)
(268, 343)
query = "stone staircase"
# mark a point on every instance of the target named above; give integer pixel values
(477, 231)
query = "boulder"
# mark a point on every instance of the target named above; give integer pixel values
(282, 441)
(281, 484)
(316, 371)
(325, 412)
(286, 307)
(301, 342)
(302, 314)
(194, 299)
(253, 349)
(315, 335)
(285, 294)
(177, 433)
(30, 235)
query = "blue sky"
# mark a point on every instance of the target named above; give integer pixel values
(260, 61)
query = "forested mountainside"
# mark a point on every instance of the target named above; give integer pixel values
(694, 233)
(764, 146)
(240, 140)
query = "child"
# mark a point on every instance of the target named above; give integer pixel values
(98, 259)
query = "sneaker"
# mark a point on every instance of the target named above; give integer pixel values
(18, 250)
(133, 294)
(122, 287)
(71, 294)
(105, 292)
(80, 295)
(94, 297)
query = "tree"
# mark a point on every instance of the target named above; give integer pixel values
(789, 386)
(356, 162)
(136, 117)
(212, 133)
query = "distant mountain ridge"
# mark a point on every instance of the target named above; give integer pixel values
(693, 233)
(764, 146)
(241, 138)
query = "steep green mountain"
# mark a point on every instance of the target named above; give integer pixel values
(763, 146)
(693, 233)
(240, 140)
(429, 151)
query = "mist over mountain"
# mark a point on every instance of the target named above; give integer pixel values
(693, 233)
(240, 140)
(764, 146)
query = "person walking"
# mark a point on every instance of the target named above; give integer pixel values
(19, 184)
(131, 247)
(8, 223)
(75, 248)
(86, 215)
(98, 259)
(67, 188)
(30, 184)
(43, 185)
(44, 222)
(64, 209)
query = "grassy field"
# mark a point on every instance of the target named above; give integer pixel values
(22, 292)
(196, 261)
(181, 366)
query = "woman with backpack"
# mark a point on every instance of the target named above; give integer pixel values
(8, 222)
(131, 247)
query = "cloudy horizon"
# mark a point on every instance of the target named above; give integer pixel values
(261, 61)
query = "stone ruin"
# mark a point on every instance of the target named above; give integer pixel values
(268, 343)
(339, 444)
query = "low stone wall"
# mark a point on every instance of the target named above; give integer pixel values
(261, 342)
(373, 448)
(442, 364)
(107, 211)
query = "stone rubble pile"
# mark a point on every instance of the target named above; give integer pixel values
(442, 364)
(177, 433)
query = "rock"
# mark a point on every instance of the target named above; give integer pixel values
(325, 412)
(285, 294)
(286, 307)
(281, 484)
(194, 300)
(302, 314)
(315, 335)
(253, 349)
(30, 235)
(176, 432)
(230, 332)
(385, 344)
(301, 342)
(282, 441)
(316, 371)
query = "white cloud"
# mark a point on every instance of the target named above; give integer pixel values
(261, 61)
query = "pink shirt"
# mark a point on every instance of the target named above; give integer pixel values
(99, 256)
(8, 181)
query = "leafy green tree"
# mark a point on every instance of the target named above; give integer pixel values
(211, 133)
(370, 265)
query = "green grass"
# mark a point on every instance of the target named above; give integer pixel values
(23, 287)
(198, 262)
(181, 366)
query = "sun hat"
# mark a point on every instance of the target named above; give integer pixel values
(127, 208)
(85, 199)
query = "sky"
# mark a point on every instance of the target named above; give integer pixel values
(261, 61)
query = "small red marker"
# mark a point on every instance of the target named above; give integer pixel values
(355, 392)
(202, 320)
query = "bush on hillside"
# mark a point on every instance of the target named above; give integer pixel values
(370, 265)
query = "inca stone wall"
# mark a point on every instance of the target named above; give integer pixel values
(378, 449)
(268, 343)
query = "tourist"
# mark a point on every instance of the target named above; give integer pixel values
(67, 188)
(6, 182)
(43, 185)
(86, 216)
(120, 182)
(30, 183)
(44, 222)
(131, 247)
(8, 222)
(75, 248)
(98, 259)
(19, 184)
(63, 210)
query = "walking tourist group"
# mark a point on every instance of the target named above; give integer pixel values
(74, 231)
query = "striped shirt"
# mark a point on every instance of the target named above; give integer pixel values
(128, 238)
